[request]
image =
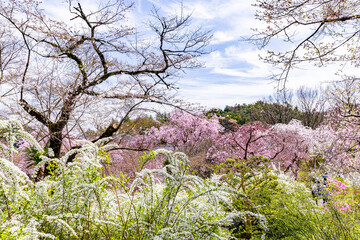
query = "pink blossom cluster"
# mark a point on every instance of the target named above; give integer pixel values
(345, 207)
(245, 141)
(337, 192)
(337, 185)
(182, 131)
(286, 144)
(339, 139)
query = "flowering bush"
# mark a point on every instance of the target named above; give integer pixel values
(339, 196)
(297, 216)
(77, 201)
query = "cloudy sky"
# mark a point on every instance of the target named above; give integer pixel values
(232, 72)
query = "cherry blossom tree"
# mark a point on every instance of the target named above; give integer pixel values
(338, 143)
(93, 69)
(242, 143)
(316, 31)
(189, 133)
(192, 134)
(320, 32)
(291, 144)
(284, 144)
(332, 147)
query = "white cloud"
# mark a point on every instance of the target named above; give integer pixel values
(238, 61)
(219, 95)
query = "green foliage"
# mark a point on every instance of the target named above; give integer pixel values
(262, 111)
(296, 216)
(139, 125)
(290, 210)
(255, 181)
(163, 117)
(34, 155)
(145, 158)
(129, 126)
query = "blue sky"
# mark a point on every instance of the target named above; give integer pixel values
(232, 72)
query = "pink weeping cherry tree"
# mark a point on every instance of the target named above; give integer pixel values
(339, 143)
(285, 144)
(184, 132)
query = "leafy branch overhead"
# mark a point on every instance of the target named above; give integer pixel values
(317, 31)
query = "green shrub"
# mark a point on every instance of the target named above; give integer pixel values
(254, 180)
(297, 216)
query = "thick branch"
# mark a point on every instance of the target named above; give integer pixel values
(33, 112)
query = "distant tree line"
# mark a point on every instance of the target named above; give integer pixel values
(308, 107)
